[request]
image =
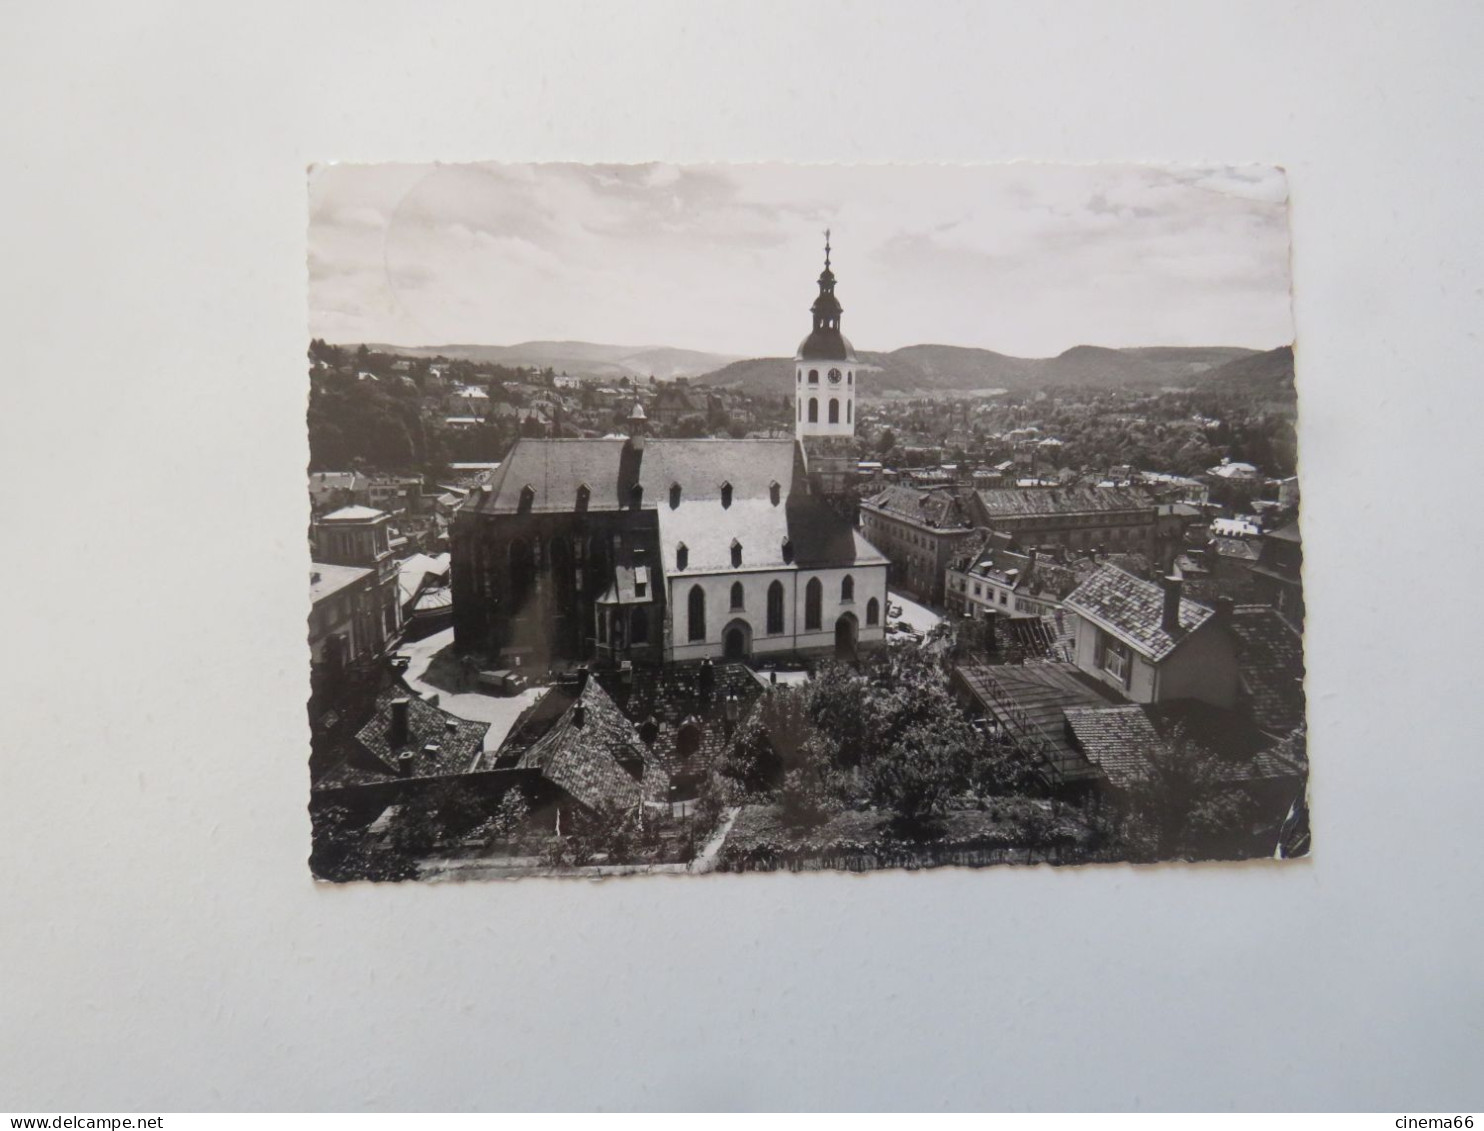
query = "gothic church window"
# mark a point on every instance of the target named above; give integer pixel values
(696, 610)
(775, 608)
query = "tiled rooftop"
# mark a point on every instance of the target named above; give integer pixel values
(1116, 740)
(458, 743)
(583, 761)
(937, 508)
(1036, 502)
(1270, 658)
(1133, 609)
(749, 473)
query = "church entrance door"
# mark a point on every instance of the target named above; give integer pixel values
(845, 631)
(736, 641)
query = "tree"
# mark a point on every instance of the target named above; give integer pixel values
(434, 815)
(1187, 805)
(920, 771)
(770, 741)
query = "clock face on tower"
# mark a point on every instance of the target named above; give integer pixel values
(834, 376)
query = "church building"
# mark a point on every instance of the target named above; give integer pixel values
(644, 549)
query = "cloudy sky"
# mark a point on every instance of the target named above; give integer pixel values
(1025, 259)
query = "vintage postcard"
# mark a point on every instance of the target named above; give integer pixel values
(699, 519)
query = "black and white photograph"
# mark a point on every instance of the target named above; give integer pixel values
(746, 518)
(861, 557)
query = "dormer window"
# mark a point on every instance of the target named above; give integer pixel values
(584, 493)
(674, 495)
(736, 553)
(788, 549)
(775, 492)
(527, 497)
(682, 556)
(726, 494)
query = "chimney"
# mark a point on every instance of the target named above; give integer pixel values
(1169, 619)
(397, 735)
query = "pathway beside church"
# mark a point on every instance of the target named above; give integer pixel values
(919, 616)
(499, 711)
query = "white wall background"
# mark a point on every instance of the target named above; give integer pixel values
(161, 944)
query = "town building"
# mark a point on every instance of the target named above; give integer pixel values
(395, 493)
(921, 531)
(1074, 517)
(331, 490)
(361, 538)
(1149, 642)
(999, 579)
(346, 620)
(1277, 575)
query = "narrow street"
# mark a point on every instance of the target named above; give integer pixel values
(499, 711)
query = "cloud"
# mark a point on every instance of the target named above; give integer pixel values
(1023, 258)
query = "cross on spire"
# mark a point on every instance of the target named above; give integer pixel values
(826, 249)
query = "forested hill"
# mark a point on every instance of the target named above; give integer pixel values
(1264, 375)
(926, 369)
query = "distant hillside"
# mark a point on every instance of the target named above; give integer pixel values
(928, 369)
(1268, 374)
(579, 359)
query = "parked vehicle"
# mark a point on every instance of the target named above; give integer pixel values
(502, 682)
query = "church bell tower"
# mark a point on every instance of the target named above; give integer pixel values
(825, 368)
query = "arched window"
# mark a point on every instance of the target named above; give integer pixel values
(674, 495)
(847, 588)
(813, 410)
(736, 553)
(696, 628)
(873, 611)
(775, 608)
(737, 595)
(788, 549)
(682, 556)
(639, 626)
(636, 495)
(527, 497)
(850, 377)
(834, 411)
(814, 376)
(800, 413)
(774, 492)
(584, 493)
(848, 414)
(726, 494)
(813, 605)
